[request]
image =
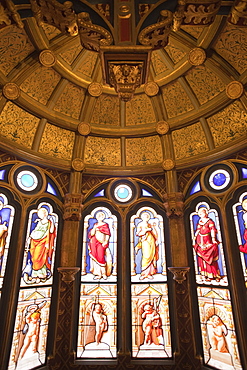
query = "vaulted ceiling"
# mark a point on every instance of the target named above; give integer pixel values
(57, 109)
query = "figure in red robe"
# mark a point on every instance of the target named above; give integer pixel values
(206, 246)
(101, 261)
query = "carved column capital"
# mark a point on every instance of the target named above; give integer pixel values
(68, 273)
(72, 207)
(174, 204)
(179, 273)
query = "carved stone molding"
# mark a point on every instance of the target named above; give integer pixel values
(234, 89)
(162, 127)
(78, 164)
(201, 12)
(72, 207)
(197, 56)
(157, 34)
(174, 204)
(11, 91)
(95, 89)
(9, 13)
(168, 164)
(68, 273)
(151, 88)
(238, 14)
(179, 273)
(84, 128)
(47, 58)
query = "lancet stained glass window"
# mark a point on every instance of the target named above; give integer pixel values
(149, 291)
(31, 323)
(98, 296)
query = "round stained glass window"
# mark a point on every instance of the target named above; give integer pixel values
(123, 193)
(219, 179)
(27, 180)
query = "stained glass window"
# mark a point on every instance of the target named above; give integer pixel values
(240, 219)
(6, 223)
(150, 312)
(31, 323)
(98, 296)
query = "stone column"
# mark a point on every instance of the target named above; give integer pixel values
(185, 343)
(65, 324)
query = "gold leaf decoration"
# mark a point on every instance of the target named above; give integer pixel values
(176, 99)
(205, 83)
(157, 62)
(41, 83)
(140, 111)
(193, 31)
(106, 110)
(103, 151)
(70, 101)
(70, 54)
(232, 46)
(189, 141)
(228, 124)
(14, 47)
(50, 31)
(143, 151)
(57, 142)
(175, 53)
(88, 63)
(18, 125)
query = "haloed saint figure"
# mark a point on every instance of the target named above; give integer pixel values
(40, 246)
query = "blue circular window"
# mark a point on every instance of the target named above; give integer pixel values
(123, 193)
(219, 179)
(27, 180)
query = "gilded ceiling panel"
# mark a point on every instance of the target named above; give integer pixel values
(175, 53)
(70, 101)
(106, 110)
(193, 31)
(41, 83)
(229, 124)
(176, 99)
(157, 63)
(87, 63)
(189, 141)
(57, 142)
(205, 83)
(232, 46)
(70, 54)
(18, 125)
(103, 151)
(143, 151)
(50, 31)
(140, 111)
(14, 47)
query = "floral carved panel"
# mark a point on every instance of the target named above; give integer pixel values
(103, 151)
(70, 101)
(106, 110)
(143, 151)
(176, 99)
(140, 111)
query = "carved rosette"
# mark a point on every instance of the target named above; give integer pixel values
(125, 78)
(197, 56)
(73, 207)
(84, 128)
(68, 273)
(92, 36)
(151, 88)
(162, 127)
(179, 273)
(168, 164)
(11, 91)
(174, 204)
(95, 89)
(47, 58)
(234, 90)
(78, 164)
(157, 34)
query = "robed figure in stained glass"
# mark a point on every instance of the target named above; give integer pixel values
(5, 213)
